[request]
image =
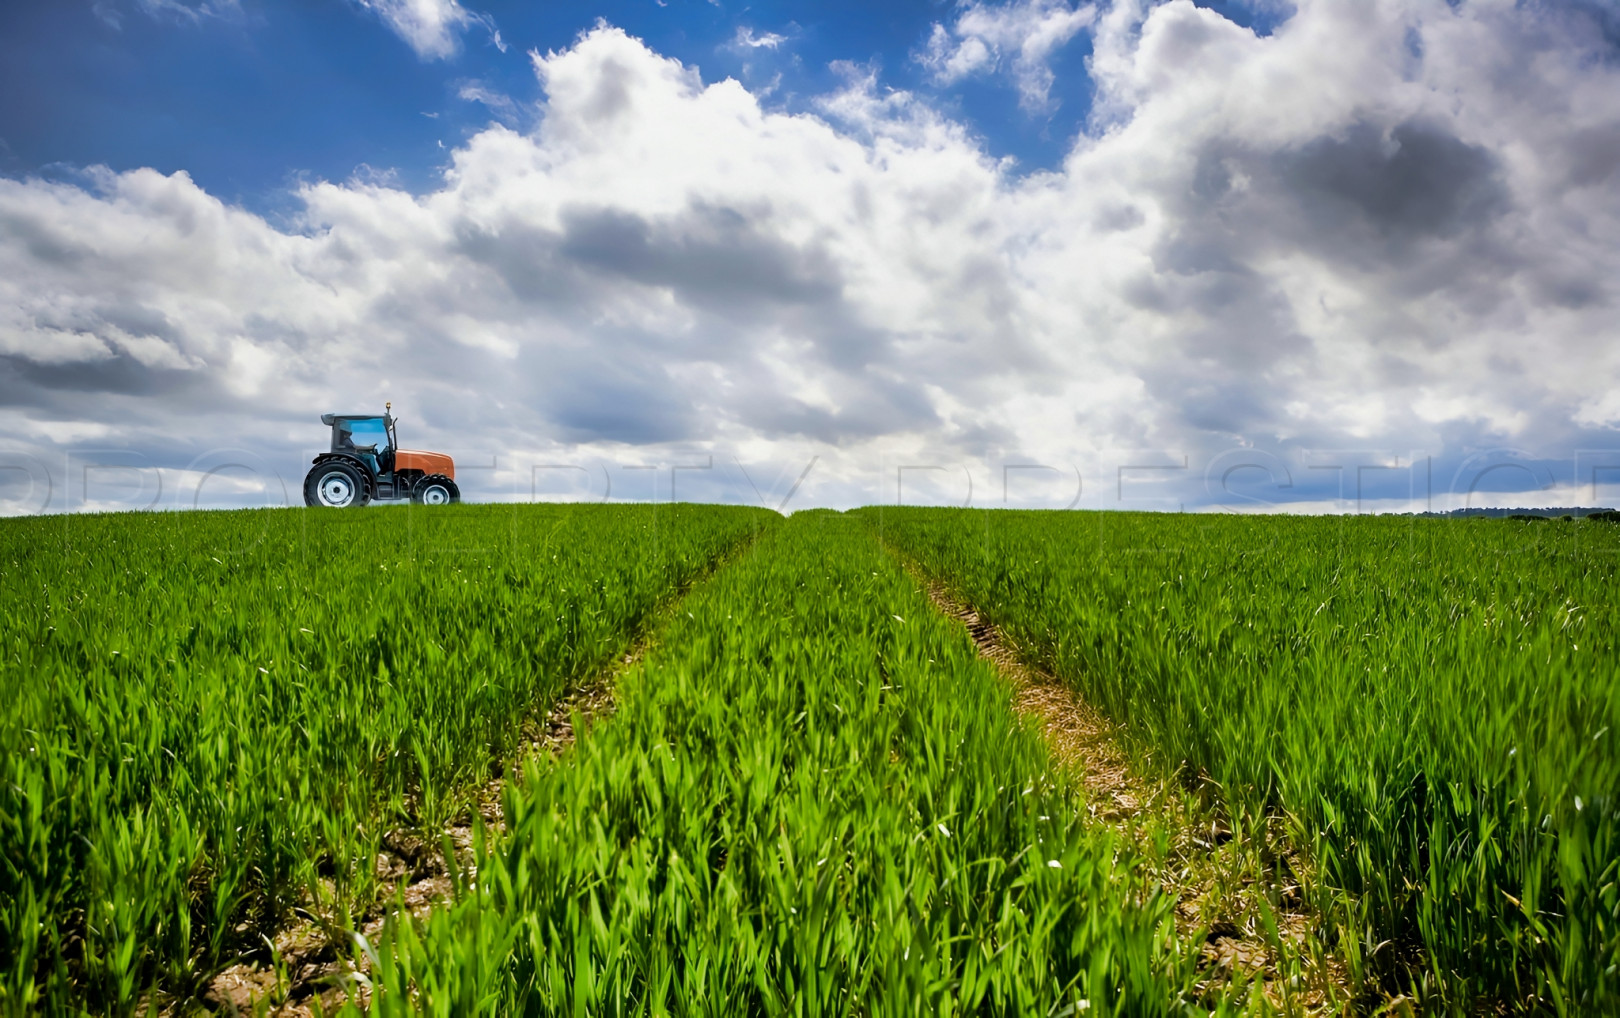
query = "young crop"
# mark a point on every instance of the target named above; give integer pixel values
(1434, 702)
(211, 717)
(814, 798)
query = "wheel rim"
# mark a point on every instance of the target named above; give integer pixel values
(435, 495)
(336, 491)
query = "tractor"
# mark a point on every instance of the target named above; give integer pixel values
(366, 463)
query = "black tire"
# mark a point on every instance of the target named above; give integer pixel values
(335, 484)
(435, 489)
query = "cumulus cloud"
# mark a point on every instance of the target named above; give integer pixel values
(1386, 229)
(430, 27)
(1017, 38)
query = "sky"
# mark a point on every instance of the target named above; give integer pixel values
(1325, 256)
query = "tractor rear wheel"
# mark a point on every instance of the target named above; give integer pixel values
(435, 489)
(335, 485)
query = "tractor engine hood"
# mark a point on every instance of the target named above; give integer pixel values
(427, 462)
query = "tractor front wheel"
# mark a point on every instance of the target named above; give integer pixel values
(435, 489)
(335, 485)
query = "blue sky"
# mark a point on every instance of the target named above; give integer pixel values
(1328, 255)
(255, 97)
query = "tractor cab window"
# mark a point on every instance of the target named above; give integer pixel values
(363, 432)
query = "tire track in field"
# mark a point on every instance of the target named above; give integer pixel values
(314, 961)
(311, 963)
(1295, 974)
(1079, 738)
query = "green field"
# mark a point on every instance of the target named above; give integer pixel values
(212, 717)
(1434, 704)
(813, 797)
(813, 800)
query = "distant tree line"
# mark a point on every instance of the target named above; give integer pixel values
(1564, 513)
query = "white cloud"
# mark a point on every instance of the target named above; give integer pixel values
(498, 103)
(745, 39)
(188, 11)
(430, 27)
(1289, 244)
(1018, 38)
(192, 12)
(1601, 410)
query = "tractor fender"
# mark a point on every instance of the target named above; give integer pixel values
(355, 461)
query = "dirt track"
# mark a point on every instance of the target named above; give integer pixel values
(307, 964)
(1218, 881)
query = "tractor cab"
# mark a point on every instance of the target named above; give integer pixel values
(369, 437)
(366, 462)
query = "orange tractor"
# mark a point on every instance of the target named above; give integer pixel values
(366, 463)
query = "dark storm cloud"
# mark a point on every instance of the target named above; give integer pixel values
(724, 264)
(868, 407)
(726, 267)
(1593, 155)
(43, 243)
(1409, 202)
(712, 256)
(1371, 196)
(525, 258)
(138, 320)
(619, 402)
(1411, 183)
(1236, 373)
(709, 256)
(116, 374)
(613, 92)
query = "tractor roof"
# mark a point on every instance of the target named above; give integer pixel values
(334, 418)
